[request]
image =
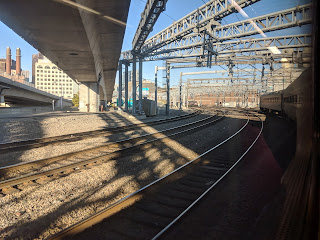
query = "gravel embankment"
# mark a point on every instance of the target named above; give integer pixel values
(39, 211)
(46, 125)
(58, 149)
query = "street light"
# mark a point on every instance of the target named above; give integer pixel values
(61, 94)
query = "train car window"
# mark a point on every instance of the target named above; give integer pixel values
(301, 98)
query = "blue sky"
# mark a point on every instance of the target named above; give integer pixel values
(175, 10)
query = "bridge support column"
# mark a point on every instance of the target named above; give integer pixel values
(1, 100)
(89, 98)
(2, 103)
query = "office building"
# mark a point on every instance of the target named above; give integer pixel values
(49, 78)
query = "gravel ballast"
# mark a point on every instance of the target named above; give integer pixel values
(39, 211)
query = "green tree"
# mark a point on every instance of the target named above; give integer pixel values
(75, 100)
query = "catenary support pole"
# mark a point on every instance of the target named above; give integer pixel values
(134, 83)
(126, 87)
(168, 88)
(120, 85)
(180, 85)
(140, 85)
(156, 88)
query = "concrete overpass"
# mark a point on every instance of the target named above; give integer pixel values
(82, 37)
(18, 94)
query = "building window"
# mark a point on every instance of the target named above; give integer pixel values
(39, 66)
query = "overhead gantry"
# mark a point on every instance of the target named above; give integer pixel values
(82, 37)
(199, 20)
(202, 39)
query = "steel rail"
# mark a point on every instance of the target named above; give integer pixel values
(212, 186)
(47, 173)
(128, 200)
(38, 142)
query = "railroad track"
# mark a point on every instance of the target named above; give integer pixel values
(39, 142)
(149, 212)
(85, 158)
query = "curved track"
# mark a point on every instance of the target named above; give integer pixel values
(152, 210)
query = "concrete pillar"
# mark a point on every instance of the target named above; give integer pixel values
(8, 61)
(140, 85)
(1, 99)
(89, 98)
(126, 79)
(120, 85)
(18, 61)
(134, 84)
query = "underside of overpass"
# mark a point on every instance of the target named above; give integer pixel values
(82, 37)
(20, 101)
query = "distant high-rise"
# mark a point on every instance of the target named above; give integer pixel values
(49, 78)
(35, 58)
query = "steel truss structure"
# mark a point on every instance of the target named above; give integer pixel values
(194, 47)
(207, 14)
(149, 17)
(200, 40)
(274, 21)
(202, 43)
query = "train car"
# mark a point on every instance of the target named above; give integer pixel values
(293, 100)
(271, 102)
(297, 96)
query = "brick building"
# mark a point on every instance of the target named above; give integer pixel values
(11, 69)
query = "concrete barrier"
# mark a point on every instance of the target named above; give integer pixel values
(26, 110)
